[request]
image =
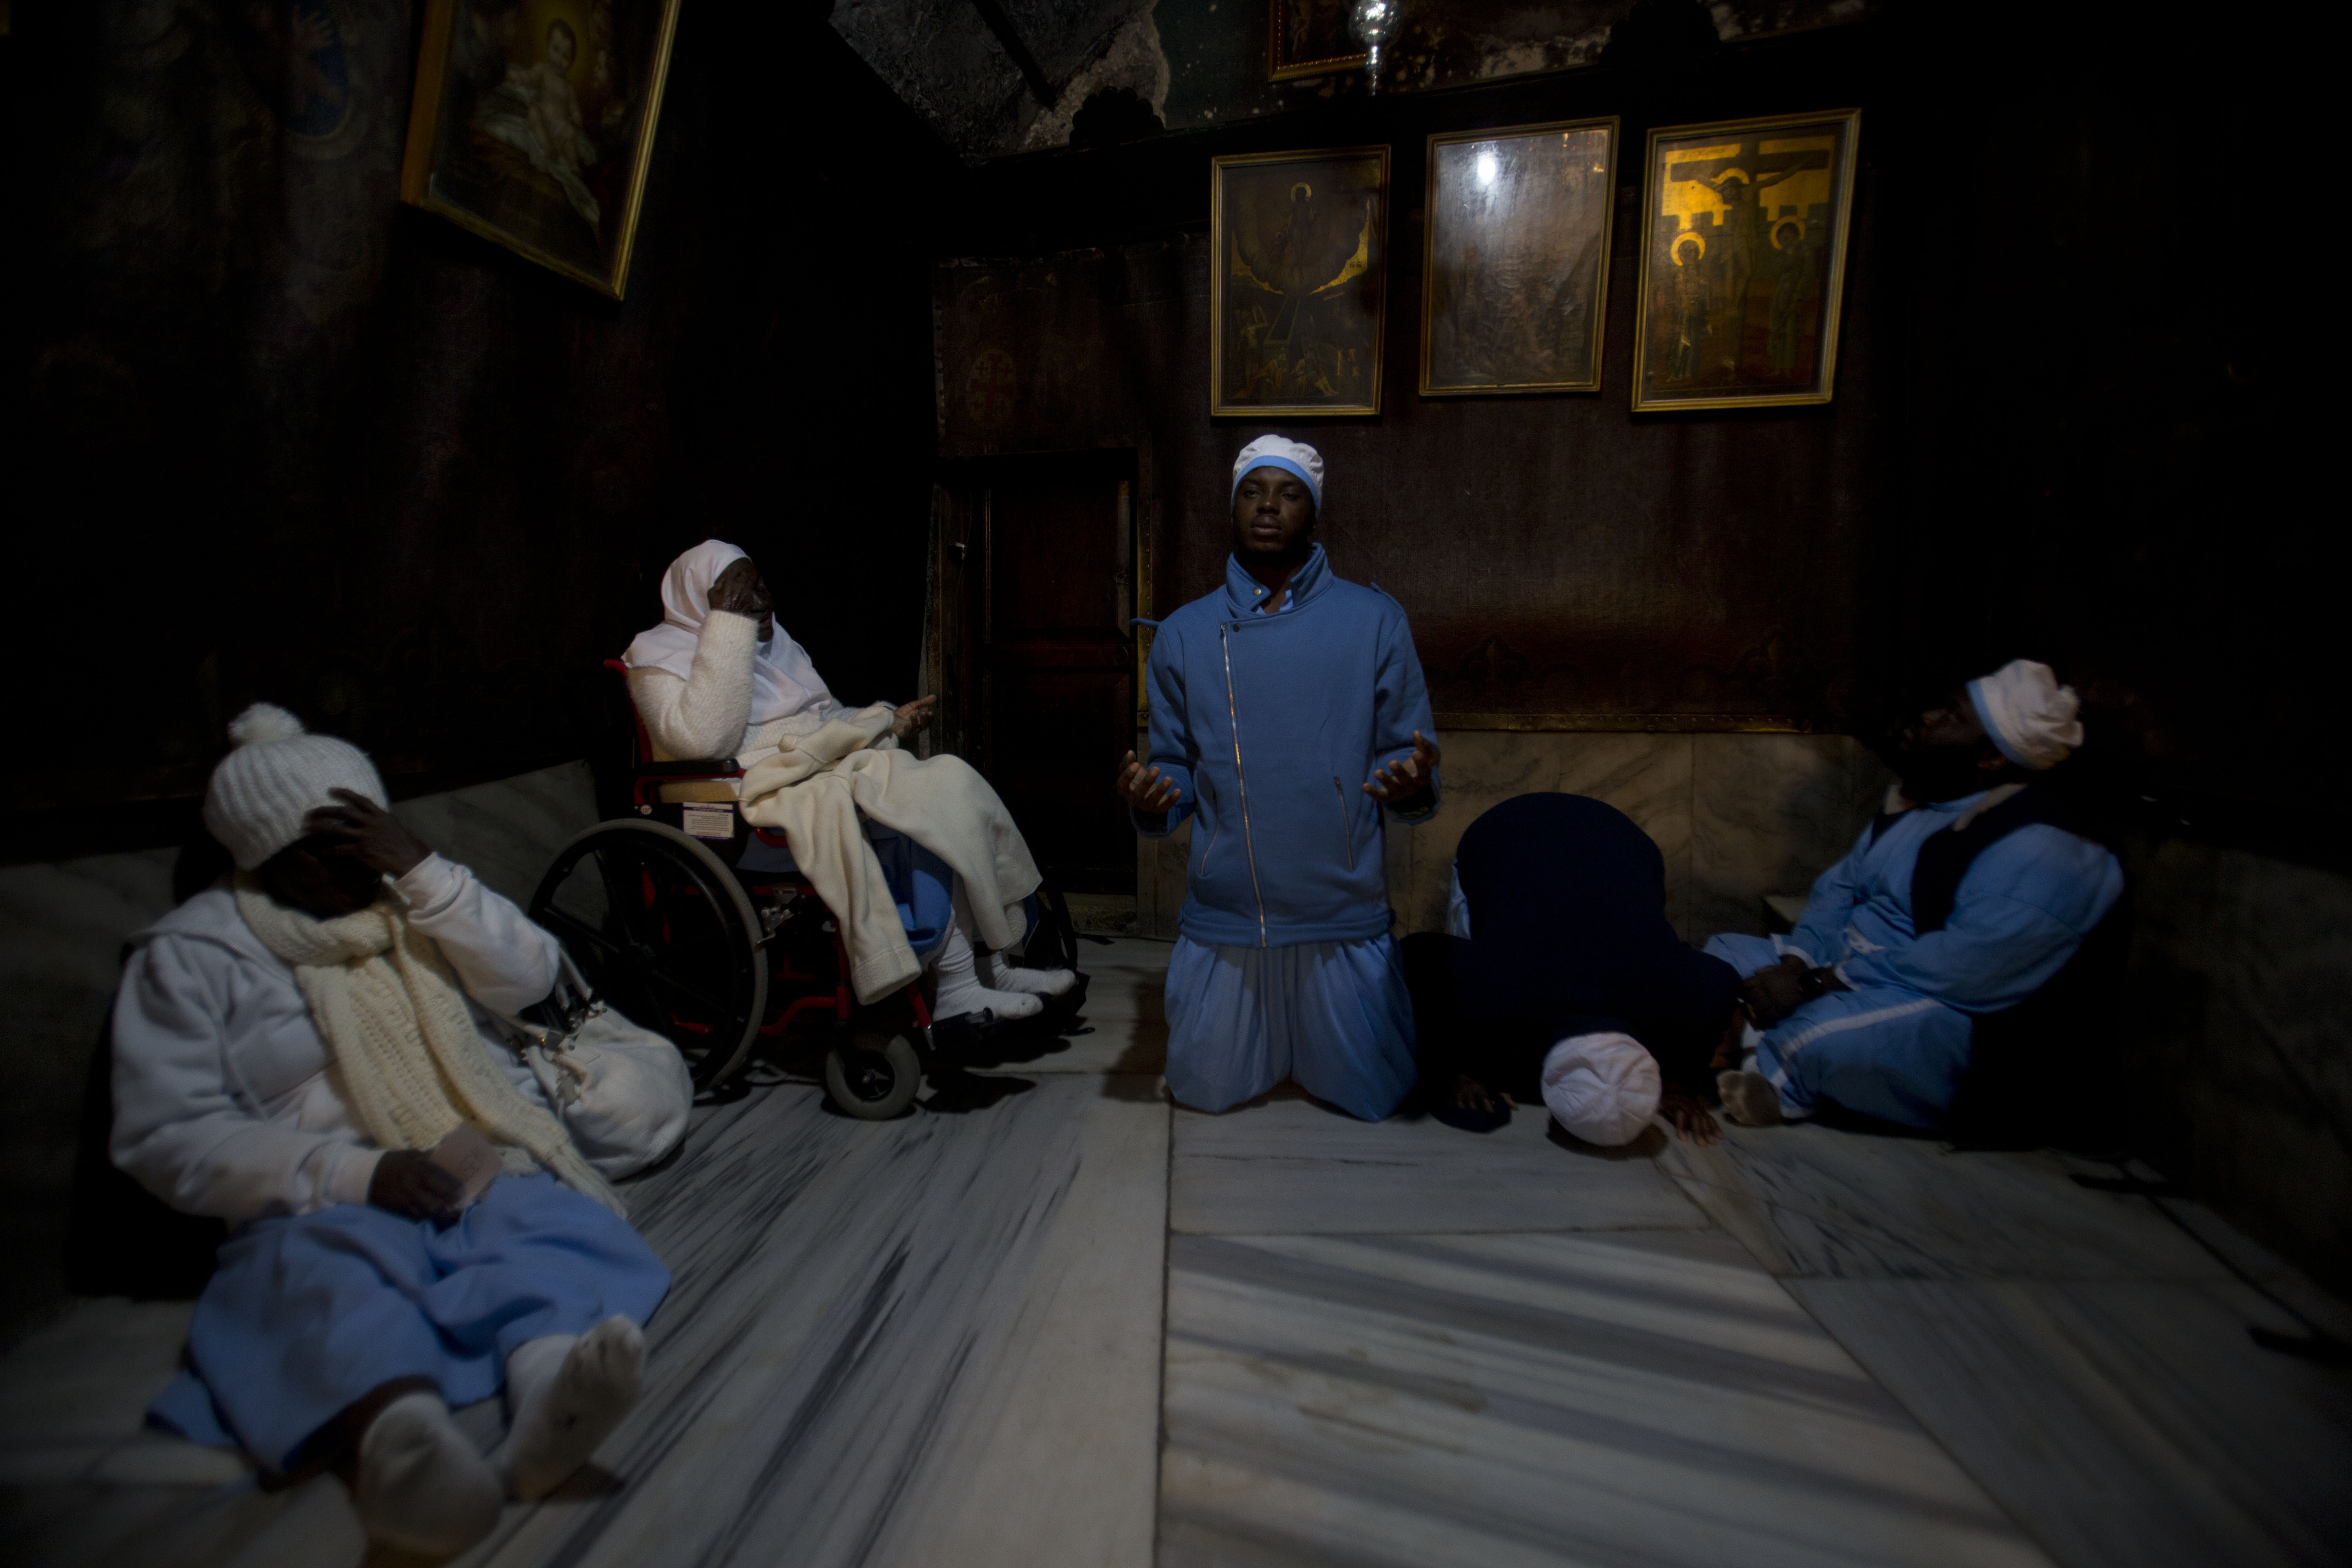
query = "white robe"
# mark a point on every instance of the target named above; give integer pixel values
(227, 1100)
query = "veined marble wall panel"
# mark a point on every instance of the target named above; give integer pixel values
(1647, 776)
(1768, 814)
(2241, 1040)
(62, 927)
(1737, 816)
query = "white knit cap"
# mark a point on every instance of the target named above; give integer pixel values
(1602, 1088)
(1281, 452)
(276, 776)
(2028, 714)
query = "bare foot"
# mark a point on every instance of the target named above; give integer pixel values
(1749, 1099)
(1689, 1114)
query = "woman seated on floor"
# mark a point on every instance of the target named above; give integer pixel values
(1560, 976)
(719, 678)
(291, 1046)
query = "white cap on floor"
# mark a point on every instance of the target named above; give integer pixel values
(1602, 1088)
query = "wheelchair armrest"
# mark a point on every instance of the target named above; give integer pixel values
(689, 768)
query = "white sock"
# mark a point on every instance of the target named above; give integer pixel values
(1034, 982)
(565, 1394)
(421, 1485)
(960, 991)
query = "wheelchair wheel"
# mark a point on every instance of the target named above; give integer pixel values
(873, 1076)
(663, 932)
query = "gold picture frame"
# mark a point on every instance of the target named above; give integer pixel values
(532, 125)
(1515, 259)
(1310, 37)
(1740, 307)
(1297, 282)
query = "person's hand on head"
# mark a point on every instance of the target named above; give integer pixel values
(1147, 793)
(913, 718)
(407, 1182)
(1403, 783)
(361, 830)
(739, 590)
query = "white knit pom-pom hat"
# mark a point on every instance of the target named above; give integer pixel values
(277, 774)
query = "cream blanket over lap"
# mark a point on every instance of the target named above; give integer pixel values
(815, 788)
(404, 1044)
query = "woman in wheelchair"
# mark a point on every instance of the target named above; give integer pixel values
(719, 678)
(304, 1051)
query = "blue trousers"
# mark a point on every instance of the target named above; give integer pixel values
(307, 1313)
(1891, 1054)
(1335, 1016)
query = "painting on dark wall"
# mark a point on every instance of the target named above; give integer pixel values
(532, 124)
(1297, 292)
(1310, 37)
(1743, 261)
(1517, 258)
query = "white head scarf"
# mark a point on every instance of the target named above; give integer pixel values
(1281, 452)
(2030, 718)
(784, 682)
(1602, 1088)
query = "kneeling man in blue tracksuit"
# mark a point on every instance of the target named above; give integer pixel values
(1287, 712)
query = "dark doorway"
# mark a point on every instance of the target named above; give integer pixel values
(1044, 546)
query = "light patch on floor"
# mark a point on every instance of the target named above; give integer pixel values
(1068, 1327)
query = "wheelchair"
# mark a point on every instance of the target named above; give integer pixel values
(666, 930)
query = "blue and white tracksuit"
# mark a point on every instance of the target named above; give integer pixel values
(1895, 1046)
(1271, 725)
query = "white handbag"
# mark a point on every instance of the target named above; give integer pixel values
(620, 1090)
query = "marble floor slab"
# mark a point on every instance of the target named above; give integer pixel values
(1503, 1400)
(1126, 1032)
(2123, 1424)
(1810, 1200)
(935, 1339)
(1286, 1165)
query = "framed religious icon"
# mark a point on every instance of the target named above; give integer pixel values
(1515, 258)
(532, 125)
(1310, 37)
(1743, 261)
(1298, 281)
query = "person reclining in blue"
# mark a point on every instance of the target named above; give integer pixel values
(1287, 713)
(1959, 902)
(305, 1050)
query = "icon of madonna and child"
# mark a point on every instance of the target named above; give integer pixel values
(543, 110)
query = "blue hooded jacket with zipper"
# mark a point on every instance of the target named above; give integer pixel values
(1271, 725)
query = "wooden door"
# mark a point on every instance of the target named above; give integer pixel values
(1049, 693)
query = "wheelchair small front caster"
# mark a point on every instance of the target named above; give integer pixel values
(873, 1076)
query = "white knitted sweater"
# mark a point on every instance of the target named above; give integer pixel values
(708, 714)
(226, 1102)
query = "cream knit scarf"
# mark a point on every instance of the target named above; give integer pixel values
(394, 1018)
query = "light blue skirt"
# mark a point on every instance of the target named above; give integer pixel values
(1333, 1014)
(307, 1313)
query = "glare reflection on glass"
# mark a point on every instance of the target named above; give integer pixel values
(1487, 168)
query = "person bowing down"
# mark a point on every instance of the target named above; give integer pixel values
(1288, 719)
